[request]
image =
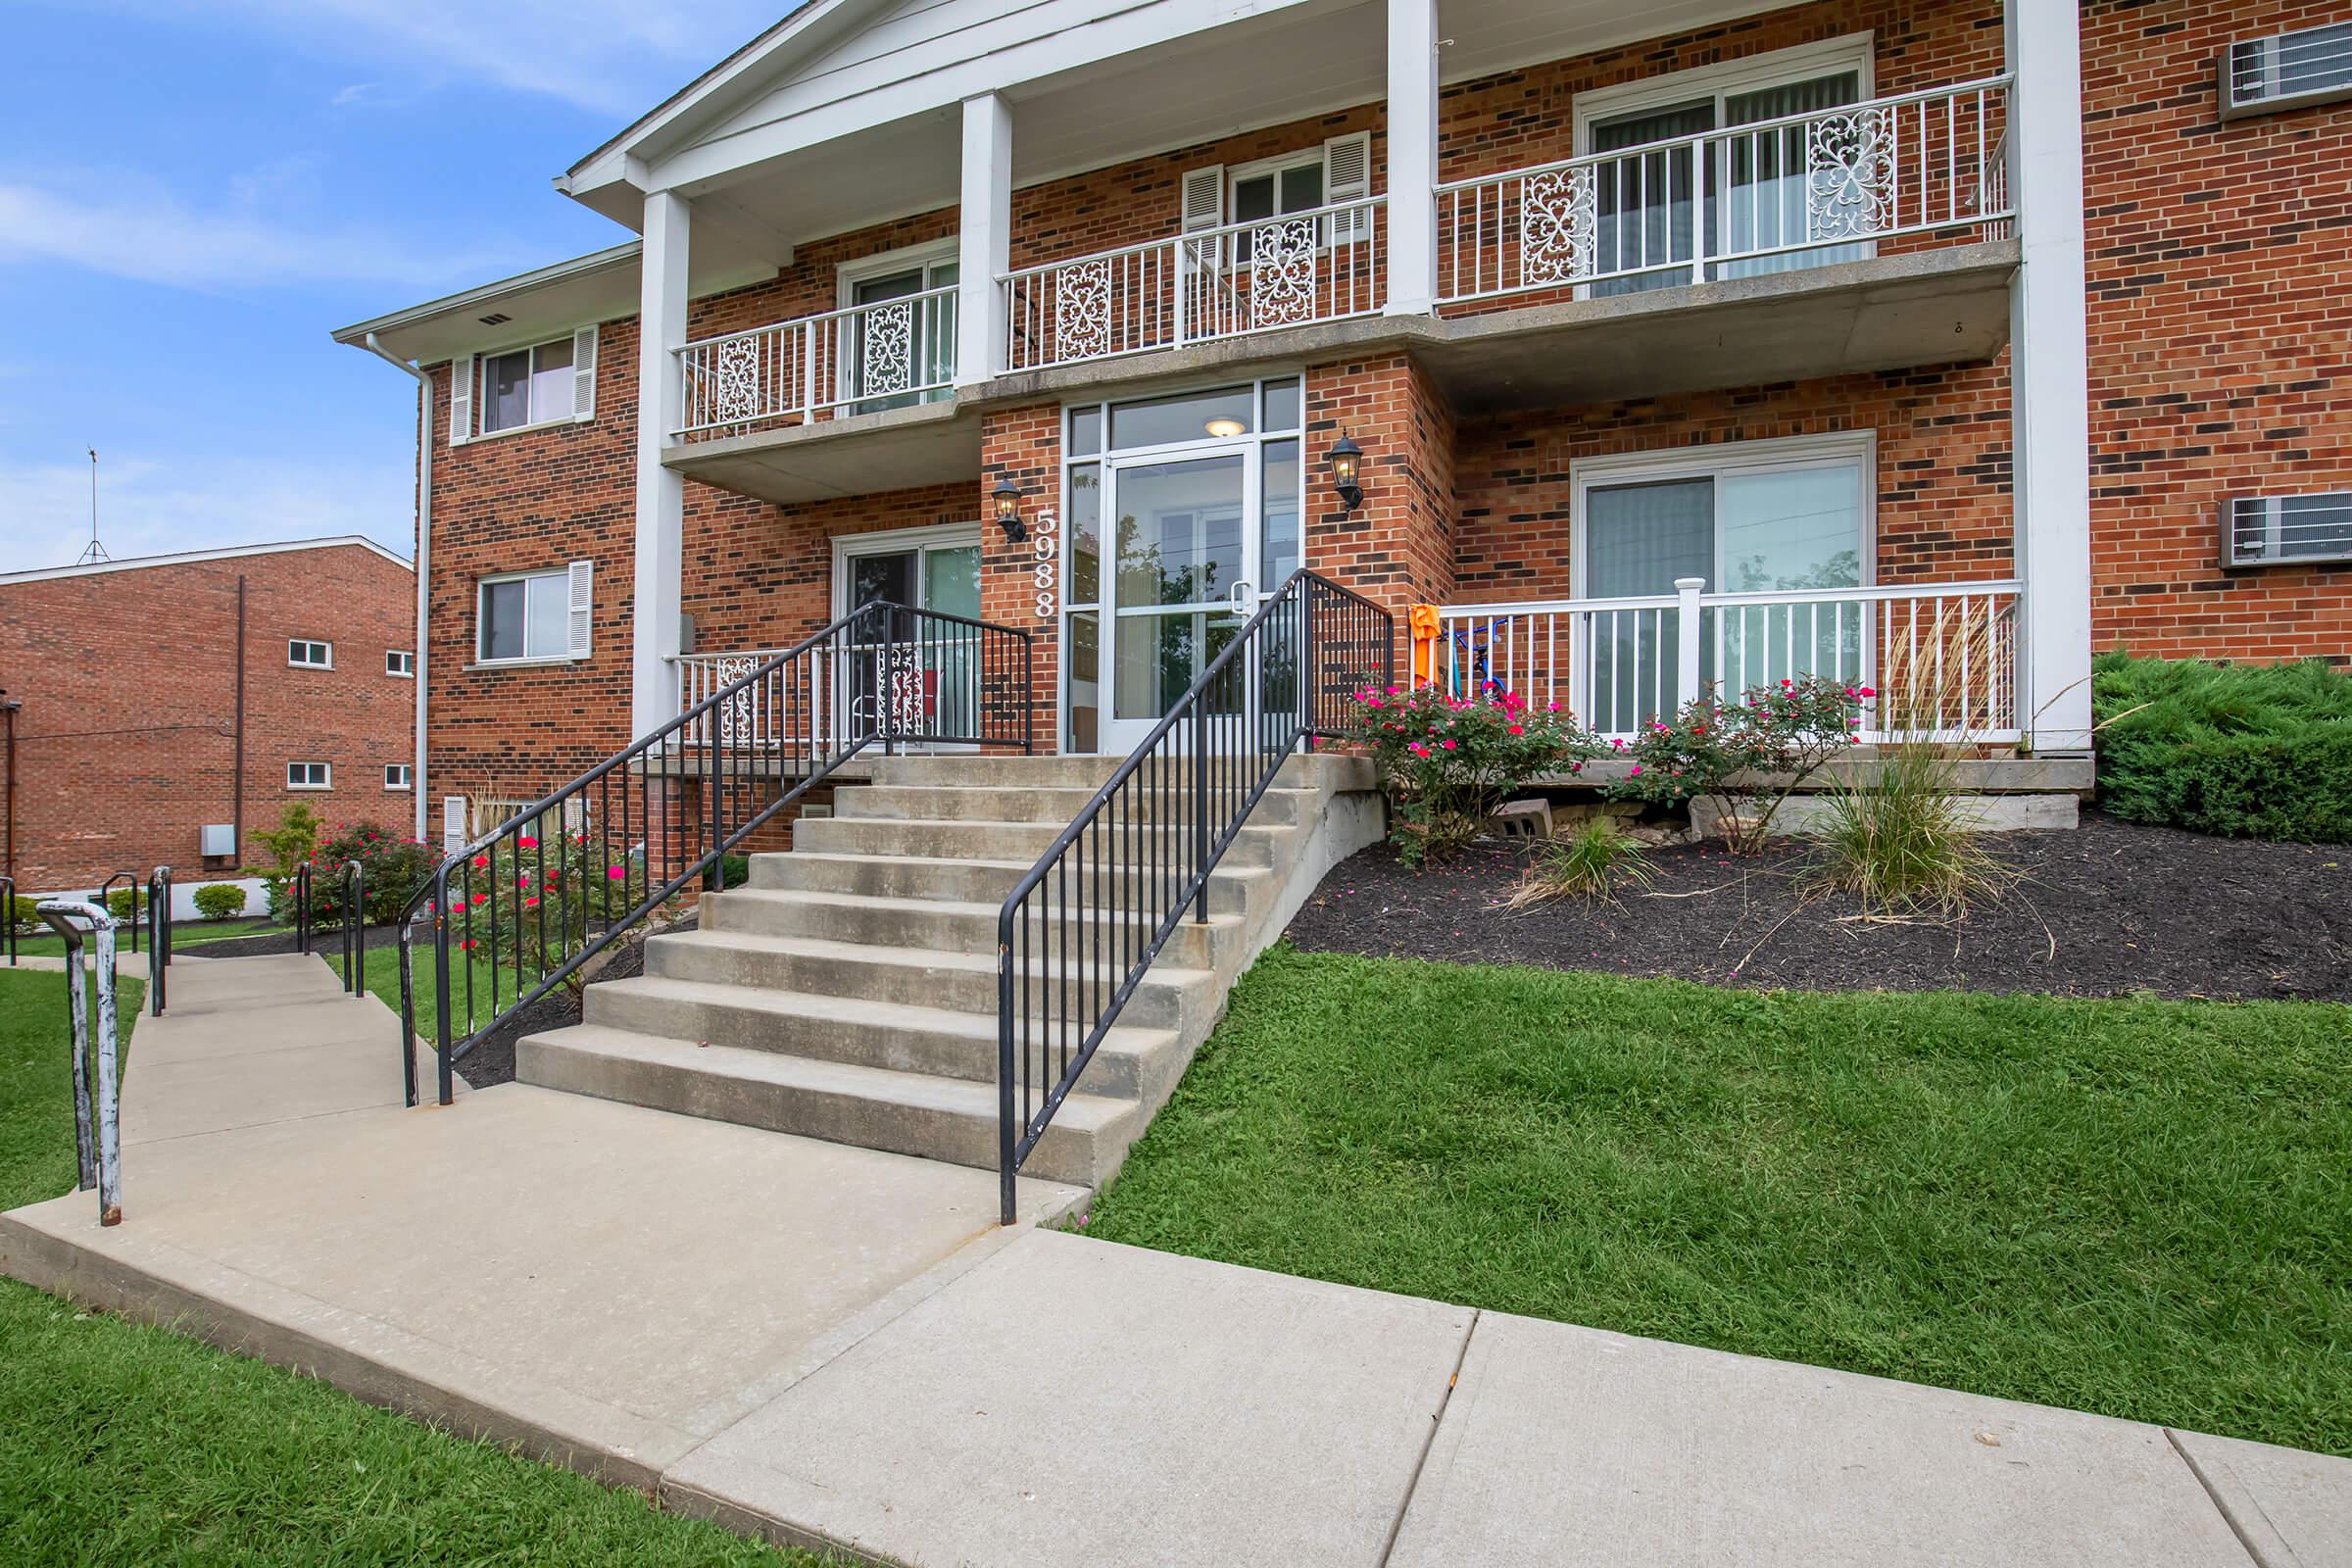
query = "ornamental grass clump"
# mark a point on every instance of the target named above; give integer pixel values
(1449, 761)
(1593, 863)
(1745, 757)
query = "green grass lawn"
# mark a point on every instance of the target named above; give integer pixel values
(123, 1443)
(2141, 1208)
(186, 934)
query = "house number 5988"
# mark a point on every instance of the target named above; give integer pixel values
(1046, 539)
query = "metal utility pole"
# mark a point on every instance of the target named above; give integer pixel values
(96, 551)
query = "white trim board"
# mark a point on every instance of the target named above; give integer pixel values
(1854, 51)
(189, 558)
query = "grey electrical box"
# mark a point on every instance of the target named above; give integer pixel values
(216, 839)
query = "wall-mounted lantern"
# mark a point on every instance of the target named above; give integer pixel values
(1344, 474)
(1007, 499)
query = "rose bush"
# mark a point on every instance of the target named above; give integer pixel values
(1781, 733)
(551, 897)
(391, 865)
(1449, 761)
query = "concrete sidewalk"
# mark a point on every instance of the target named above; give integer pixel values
(834, 1346)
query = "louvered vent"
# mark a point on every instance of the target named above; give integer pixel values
(2311, 65)
(2283, 530)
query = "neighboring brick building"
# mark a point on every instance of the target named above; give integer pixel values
(136, 703)
(1989, 319)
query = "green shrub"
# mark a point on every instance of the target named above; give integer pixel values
(26, 914)
(220, 901)
(127, 904)
(737, 869)
(1449, 761)
(1590, 864)
(1760, 746)
(391, 865)
(2243, 750)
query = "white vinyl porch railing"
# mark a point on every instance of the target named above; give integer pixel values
(853, 361)
(1290, 270)
(1799, 190)
(1941, 657)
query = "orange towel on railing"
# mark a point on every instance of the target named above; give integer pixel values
(1424, 623)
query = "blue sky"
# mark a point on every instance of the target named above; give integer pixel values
(199, 193)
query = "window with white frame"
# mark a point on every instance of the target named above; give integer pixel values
(523, 388)
(310, 775)
(533, 616)
(400, 662)
(1777, 518)
(304, 654)
(398, 775)
(1338, 172)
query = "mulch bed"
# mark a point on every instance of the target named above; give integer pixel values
(2112, 909)
(492, 1061)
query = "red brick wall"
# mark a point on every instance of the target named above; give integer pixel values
(1943, 475)
(127, 742)
(1398, 548)
(2219, 358)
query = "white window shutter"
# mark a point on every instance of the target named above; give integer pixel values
(453, 823)
(1204, 208)
(460, 399)
(583, 374)
(583, 575)
(1348, 177)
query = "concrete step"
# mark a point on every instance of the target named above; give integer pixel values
(1257, 844)
(1131, 1063)
(953, 1119)
(1058, 805)
(964, 982)
(943, 924)
(1230, 889)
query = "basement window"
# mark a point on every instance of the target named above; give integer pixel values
(400, 662)
(304, 653)
(310, 775)
(398, 775)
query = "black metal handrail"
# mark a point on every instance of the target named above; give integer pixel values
(159, 937)
(521, 908)
(106, 888)
(1078, 931)
(354, 892)
(299, 890)
(8, 908)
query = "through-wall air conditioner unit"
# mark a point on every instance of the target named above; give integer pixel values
(2310, 66)
(2286, 530)
(216, 839)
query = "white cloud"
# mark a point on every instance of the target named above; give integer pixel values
(147, 507)
(129, 230)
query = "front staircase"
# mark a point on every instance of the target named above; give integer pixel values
(850, 991)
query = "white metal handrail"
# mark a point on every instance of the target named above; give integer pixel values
(854, 359)
(1941, 657)
(1742, 199)
(1256, 276)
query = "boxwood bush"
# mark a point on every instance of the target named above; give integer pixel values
(2246, 750)
(220, 901)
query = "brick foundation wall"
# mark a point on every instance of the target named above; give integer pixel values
(127, 742)
(2218, 357)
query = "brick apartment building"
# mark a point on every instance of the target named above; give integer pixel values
(158, 697)
(1857, 313)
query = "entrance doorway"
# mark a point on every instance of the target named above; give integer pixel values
(923, 568)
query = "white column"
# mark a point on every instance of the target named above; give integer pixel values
(661, 492)
(984, 246)
(1412, 155)
(2049, 377)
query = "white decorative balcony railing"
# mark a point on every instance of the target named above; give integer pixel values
(1796, 191)
(1941, 657)
(1290, 270)
(853, 361)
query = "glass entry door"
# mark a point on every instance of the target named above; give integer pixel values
(942, 575)
(1184, 574)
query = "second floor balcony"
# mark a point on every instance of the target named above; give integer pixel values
(1908, 193)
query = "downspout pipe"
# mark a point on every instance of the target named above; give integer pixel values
(424, 558)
